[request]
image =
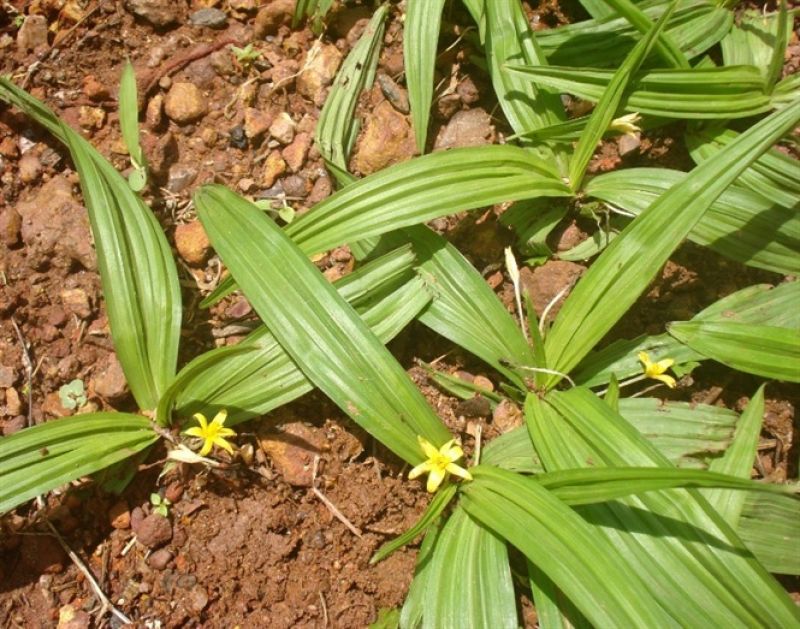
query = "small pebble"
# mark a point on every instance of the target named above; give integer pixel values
(159, 559)
(209, 17)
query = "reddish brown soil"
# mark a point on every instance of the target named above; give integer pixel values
(247, 548)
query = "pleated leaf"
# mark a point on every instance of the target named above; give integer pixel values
(570, 551)
(609, 102)
(324, 336)
(666, 48)
(420, 41)
(762, 350)
(760, 304)
(510, 40)
(726, 92)
(337, 127)
(138, 274)
(770, 527)
(774, 175)
(696, 564)
(612, 284)
(469, 580)
(751, 41)
(740, 224)
(423, 189)
(738, 460)
(36, 460)
(694, 27)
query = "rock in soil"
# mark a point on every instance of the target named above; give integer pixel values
(185, 103)
(477, 406)
(10, 225)
(277, 13)
(32, 34)
(472, 127)
(158, 12)
(256, 122)
(159, 559)
(282, 128)
(54, 221)
(546, 281)
(209, 17)
(8, 376)
(292, 450)
(154, 531)
(274, 167)
(71, 618)
(295, 154)
(76, 301)
(192, 243)
(319, 73)
(180, 177)
(387, 139)
(119, 515)
(395, 94)
(110, 382)
(30, 168)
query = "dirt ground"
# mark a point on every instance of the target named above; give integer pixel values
(260, 543)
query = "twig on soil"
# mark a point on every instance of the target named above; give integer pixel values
(107, 605)
(28, 365)
(324, 609)
(331, 507)
(58, 41)
(198, 52)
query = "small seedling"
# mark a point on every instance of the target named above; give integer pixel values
(72, 394)
(160, 504)
(245, 56)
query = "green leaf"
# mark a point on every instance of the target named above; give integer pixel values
(738, 460)
(553, 609)
(337, 127)
(603, 484)
(666, 48)
(762, 350)
(469, 581)
(694, 27)
(770, 526)
(323, 335)
(692, 576)
(129, 121)
(510, 40)
(626, 267)
(774, 176)
(420, 41)
(726, 92)
(760, 304)
(609, 102)
(422, 189)
(464, 309)
(740, 224)
(435, 508)
(36, 460)
(256, 375)
(138, 274)
(570, 551)
(413, 608)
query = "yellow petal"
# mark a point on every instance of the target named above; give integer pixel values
(453, 453)
(435, 479)
(419, 470)
(457, 470)
(644, 358)
(226, 432)
(219, 418)
(223, 444)
(668, 380)
(663, 365)
(201, 419)
(206, 447)
(427, 447)
(194, 431)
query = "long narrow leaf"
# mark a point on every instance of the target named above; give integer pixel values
(139, 278)
(420, 40)
(627, 266)
(38, 459)
(327, 339)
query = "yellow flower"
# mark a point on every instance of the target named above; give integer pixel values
(212, 434)
(626, 124)
(439, 463)
(656, 370)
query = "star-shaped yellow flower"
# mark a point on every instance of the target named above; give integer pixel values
(212, 434)
(656, 370)
(439, 463)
